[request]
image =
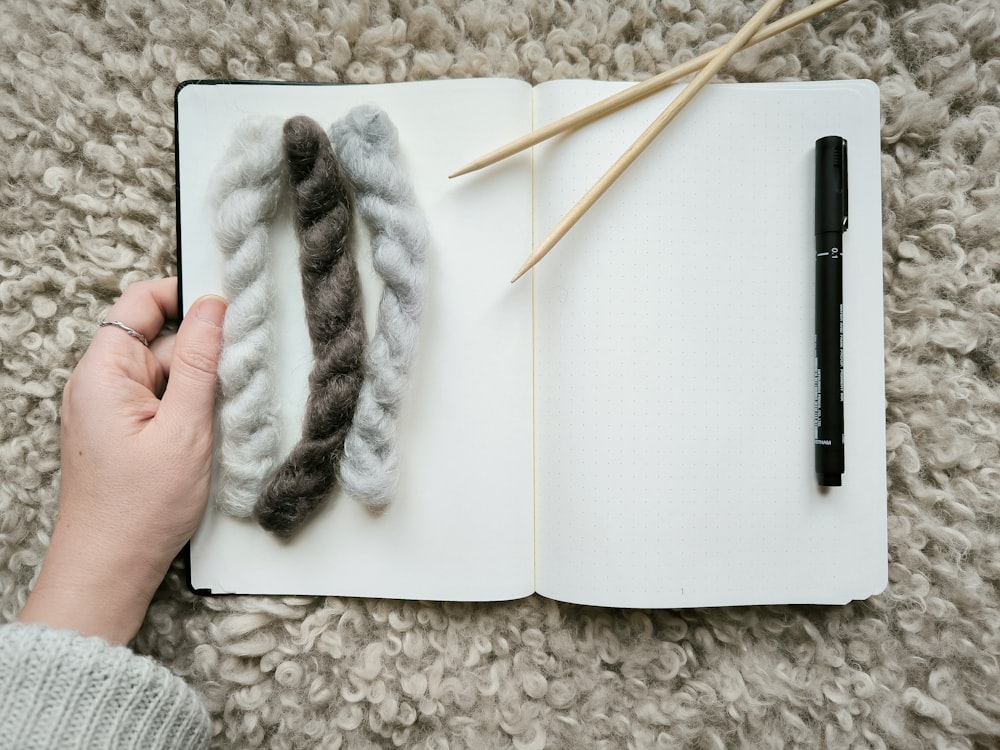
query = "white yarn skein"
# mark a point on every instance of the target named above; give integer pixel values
(367, 145)
(246, 188)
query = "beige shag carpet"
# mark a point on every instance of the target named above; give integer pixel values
(87, 207)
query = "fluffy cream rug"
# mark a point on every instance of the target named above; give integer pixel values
(87, 207)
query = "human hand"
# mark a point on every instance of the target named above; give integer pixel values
(136, 462)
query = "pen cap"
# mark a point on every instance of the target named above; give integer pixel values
(831, 184)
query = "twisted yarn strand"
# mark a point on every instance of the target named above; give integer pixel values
(332, 292)
(245, 192)
(367, 143)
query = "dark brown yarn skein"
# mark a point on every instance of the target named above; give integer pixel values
(331, 288)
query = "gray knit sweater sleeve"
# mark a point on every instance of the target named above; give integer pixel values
(59, 689)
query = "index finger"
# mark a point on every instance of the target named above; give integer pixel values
(145, 306)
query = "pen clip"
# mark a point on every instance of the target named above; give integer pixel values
(843, 176)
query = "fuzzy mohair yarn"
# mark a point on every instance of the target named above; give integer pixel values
(331, 288)
(87, 208)
(367, 143)
(246, 190)
(247, 184)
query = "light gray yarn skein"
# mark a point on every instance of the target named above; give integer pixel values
(367, 145)
(246, 188)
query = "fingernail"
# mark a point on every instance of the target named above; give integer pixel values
(211, 309)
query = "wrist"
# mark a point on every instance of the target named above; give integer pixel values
(94, 590)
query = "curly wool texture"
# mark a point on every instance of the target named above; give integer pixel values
(367, 144)
(246, 187)
(331, 288)
(86, 207)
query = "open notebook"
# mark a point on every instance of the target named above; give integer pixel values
(631, 423)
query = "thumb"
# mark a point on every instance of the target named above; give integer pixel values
(191, 382)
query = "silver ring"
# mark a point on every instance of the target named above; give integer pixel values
(128, 329)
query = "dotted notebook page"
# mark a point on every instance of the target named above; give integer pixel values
(465, 453)
(674, 355)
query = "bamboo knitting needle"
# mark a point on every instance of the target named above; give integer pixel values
(639, 91)
(731, 47)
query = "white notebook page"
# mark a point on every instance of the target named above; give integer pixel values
(674, 355)
(461, 526)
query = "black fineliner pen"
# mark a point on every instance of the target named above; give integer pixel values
(831, 221)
